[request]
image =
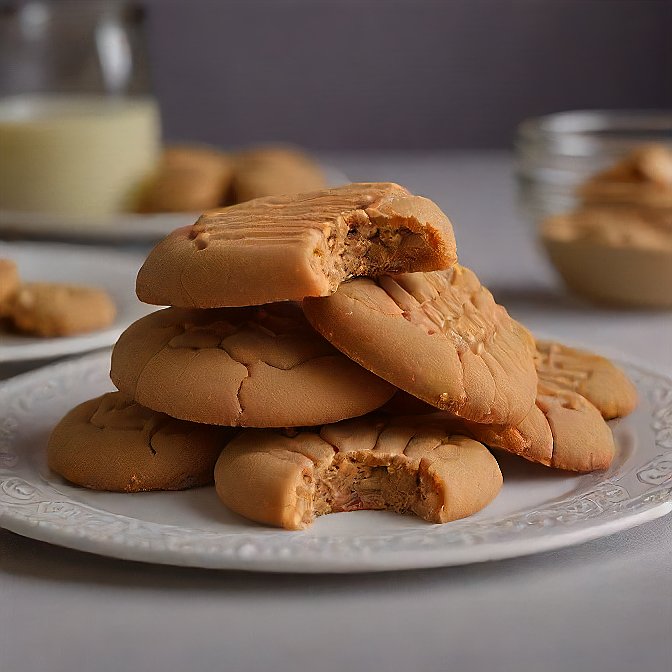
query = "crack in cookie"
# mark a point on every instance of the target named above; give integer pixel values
(564, 429)
(112, 443)
(256, 366)
(458, 350)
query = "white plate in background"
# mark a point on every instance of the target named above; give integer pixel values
(98, 267)
(538, 509)
(124, 227)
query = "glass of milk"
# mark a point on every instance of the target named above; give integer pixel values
(79, 130)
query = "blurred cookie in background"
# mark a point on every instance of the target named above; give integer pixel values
(272, 171)
(189, 178)
(9, 282)
(195, 178)
(56, 309)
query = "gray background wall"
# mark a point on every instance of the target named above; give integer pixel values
(409, 74)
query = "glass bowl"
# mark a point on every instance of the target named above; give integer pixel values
(597, 188)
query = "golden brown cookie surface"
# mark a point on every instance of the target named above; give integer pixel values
(56, 309)
(563, 431)
(188, 179)
(366, 463)
(582, 440)
(288, 247)
(112, 443)
(9, 283)
(588, 374)
(258, 367)
(273, 171)
(439, 336)
(566, 427)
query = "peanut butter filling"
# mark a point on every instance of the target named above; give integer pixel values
(367, 249)
(407, 465)
(365, 481)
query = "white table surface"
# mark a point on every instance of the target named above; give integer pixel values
(605, 605)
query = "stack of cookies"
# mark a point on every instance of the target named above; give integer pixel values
(325, 352)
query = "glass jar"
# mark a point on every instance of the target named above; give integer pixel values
(79, 130)
(597, 188)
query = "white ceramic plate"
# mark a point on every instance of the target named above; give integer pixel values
(121, 228)
(112, 271)
(537, 510)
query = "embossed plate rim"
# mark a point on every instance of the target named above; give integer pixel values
(37, 509)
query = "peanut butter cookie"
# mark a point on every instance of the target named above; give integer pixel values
(273, 171)
(286, 478)
(439, 336)
(593, 377)
(112, 443)
(255, 367)
(566, 427)
(54, 309)
(9, 283)
(189, 179)
(563, 431)
(289, 247)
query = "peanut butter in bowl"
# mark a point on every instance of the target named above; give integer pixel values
(616, 246)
